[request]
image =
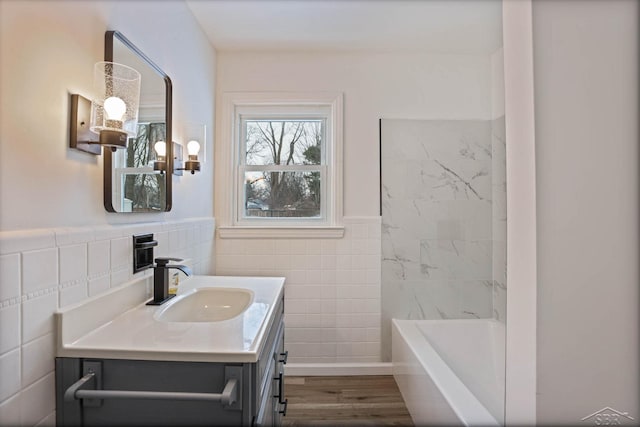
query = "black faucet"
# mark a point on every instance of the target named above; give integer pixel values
(161, 279)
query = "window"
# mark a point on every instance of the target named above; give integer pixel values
(283, 167)
(286, 163)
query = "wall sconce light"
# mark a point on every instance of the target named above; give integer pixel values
(193, 165)
(112, 115)
(160, 164)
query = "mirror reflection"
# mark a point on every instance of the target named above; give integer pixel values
(139, 188)
(131, 183)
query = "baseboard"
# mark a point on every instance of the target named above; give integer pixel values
(341, 369)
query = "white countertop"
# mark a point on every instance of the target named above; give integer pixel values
(118, 325)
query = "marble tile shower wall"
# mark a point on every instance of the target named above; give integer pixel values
(43, 270)
(437, 220)
(332, 292)
(499, 217)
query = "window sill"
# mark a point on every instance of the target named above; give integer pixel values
(300, 232)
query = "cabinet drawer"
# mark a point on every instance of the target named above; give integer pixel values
(270, 361)
(266, 412)
(142, 376)
(271, 393)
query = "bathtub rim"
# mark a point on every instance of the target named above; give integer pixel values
(471, 412)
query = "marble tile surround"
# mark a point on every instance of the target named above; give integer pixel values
(46, 269)
(499, 218)
(443, 220)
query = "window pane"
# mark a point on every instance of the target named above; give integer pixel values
(144, 192)
(284, 142)
(282, 194)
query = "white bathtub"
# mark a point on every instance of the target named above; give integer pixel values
(450, 372)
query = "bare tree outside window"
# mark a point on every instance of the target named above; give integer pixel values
(283, 161)
(145, 190)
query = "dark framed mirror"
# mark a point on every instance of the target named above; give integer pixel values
(130, 182)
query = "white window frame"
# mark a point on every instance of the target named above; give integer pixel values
(238, 106)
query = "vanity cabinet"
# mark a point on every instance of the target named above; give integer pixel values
(174, 392)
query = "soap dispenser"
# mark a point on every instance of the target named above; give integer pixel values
(174, 282)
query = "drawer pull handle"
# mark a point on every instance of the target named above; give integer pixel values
(280, 395)
(284, 410)
(79, 390)
(284, 357)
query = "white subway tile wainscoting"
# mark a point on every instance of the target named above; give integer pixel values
(332, 291)
(47, 269)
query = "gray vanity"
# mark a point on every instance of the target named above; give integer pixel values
(121, 362)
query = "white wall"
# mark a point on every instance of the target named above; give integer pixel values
(497, 83)
(47, 51)
(407, 86)
(586, 95)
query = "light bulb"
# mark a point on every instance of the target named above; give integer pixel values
(161, 148)
(193, 147)
(115, 108)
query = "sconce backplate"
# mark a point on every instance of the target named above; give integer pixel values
(177, 159)
(80, 137)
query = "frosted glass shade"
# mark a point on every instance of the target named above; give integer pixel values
(114, 106)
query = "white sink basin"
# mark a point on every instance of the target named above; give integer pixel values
(206, 305)
(119, 325)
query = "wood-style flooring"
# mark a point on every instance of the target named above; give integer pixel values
(342, 400)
